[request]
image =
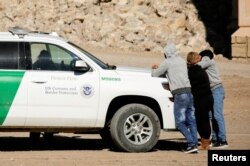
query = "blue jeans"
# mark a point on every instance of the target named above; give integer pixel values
(185, 118)
(219, 131)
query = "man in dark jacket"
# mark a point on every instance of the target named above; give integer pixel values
(203, 99)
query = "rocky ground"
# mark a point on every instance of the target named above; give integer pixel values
(77, 150)
(125, 24)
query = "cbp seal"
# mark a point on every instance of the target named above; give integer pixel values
(87, 90)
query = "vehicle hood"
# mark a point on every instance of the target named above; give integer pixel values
(133, 70)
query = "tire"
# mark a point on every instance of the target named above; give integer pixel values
(135, 128)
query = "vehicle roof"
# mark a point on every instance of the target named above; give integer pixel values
(30, 37)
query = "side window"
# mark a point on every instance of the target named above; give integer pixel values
(51, 57)
(9, 55)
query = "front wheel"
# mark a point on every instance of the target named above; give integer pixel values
(135, 128)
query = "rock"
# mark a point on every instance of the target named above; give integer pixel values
(132, 25)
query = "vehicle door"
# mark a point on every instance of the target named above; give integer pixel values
(13, 85)
(58, 95)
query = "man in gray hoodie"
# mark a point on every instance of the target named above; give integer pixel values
(219, 131)
(175, 69)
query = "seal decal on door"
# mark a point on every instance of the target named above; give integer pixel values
(87, 90)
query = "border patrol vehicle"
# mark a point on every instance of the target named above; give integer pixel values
(49, 85)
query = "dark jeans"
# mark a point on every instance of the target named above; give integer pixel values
(203, 105)
(184, 117)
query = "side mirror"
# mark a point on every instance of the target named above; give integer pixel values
(81, 66)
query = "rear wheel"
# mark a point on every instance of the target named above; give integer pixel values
(135, 128)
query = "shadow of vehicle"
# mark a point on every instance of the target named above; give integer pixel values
(57, 143)
(76, 142)
(176, 144)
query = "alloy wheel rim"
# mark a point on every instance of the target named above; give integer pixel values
(138, 129)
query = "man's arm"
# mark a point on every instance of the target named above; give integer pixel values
(205, 62)
(159, 71)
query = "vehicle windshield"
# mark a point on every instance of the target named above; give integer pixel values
(92, 57)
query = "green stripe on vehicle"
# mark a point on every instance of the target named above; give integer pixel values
(9, 84)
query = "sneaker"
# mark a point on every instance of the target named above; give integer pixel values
(191, 149)
(223, 144)
(213, 143)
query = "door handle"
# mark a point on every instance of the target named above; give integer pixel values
(39, 82)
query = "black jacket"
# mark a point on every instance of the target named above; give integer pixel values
(199, 81)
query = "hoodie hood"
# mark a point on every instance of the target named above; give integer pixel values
(170, 50)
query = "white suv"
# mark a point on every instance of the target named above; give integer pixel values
(50, 85)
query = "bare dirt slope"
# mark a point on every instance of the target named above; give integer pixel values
(78, 150)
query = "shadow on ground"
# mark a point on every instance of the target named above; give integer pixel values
(171, 144)
(59, 143)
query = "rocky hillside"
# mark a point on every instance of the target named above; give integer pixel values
(131, 25)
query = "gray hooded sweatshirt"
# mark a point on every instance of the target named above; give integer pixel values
(175, 69)
(212, 72)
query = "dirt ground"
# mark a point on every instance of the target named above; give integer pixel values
(79, 150)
